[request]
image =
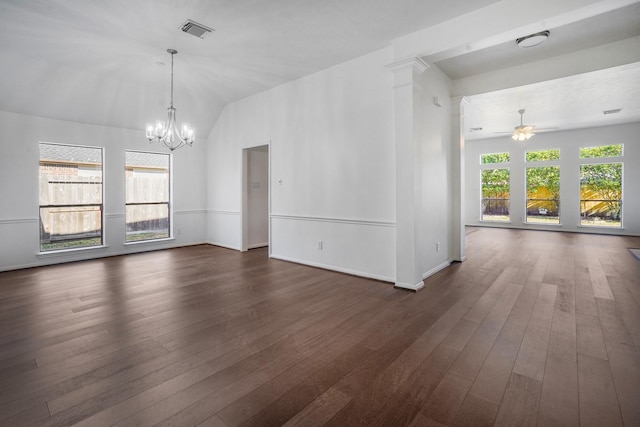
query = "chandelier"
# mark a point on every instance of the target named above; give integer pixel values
(522, 132)
(168, 132)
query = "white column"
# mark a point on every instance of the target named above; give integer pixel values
(458, 104)
(408, 173)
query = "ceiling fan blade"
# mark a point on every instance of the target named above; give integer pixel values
(532, 129)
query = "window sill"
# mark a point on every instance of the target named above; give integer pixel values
(600, 227)
(146, 242)
(63, 252)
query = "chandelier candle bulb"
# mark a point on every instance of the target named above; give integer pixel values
(150, 131)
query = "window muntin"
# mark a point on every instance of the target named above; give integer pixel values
(543, 195)
(601, 194)
(496, 189)
(70, 197)
(542, 155)
(492, 158)
(601, 151)
(147, 188)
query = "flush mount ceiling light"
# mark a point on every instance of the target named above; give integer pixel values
(533, 39)
(167, 132)
(522, 132)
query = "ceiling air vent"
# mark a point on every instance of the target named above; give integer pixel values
(195, 29)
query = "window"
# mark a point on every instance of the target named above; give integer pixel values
(601, 151)
(601, 187)
(71, 209)
(542, 155)
(147, 178)
(495, 187)
(543, 187)
(494, 158)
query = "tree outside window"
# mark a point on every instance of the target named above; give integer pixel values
(601, 187)
(543, 187)
(543, 194)
(495, 194)
(496, 187)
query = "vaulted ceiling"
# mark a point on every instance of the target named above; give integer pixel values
(105, 62)
(100, 62)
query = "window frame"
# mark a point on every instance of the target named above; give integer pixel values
(101, 205)
(169, 202)
(533, 164)
(494, 166)
(603, 160)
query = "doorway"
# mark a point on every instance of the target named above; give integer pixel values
(255, 197)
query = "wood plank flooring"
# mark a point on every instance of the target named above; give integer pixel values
(535, 328)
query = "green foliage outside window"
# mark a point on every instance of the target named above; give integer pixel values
(601, 187)
(495, 194)
(542, 155)
(495, 183)
(543, 194)
(494, 158)
(603, 182)
(547, 178)
(601, 151)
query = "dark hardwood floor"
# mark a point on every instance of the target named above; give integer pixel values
(535, 328)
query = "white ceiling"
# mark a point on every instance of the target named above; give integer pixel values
(568, 103)
(562, 104)
(618, 24)
(96, 61)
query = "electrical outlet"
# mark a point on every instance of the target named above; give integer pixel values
(437, 246)
(320, 244)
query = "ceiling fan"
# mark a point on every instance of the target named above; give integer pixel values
(524, 132)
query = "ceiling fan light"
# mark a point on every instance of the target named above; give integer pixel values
(521, 134)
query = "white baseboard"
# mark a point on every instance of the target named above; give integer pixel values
(63, 257)
(437, 268)
(408, 286)
(333, 268)
(222, 245)
(258, 245)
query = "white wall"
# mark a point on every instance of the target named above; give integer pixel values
(332, 167)
(568, 142)
(435, 227)
(19, 155)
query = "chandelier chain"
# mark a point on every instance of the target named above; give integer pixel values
(172, 54)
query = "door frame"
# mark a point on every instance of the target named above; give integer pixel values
(244, 206)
